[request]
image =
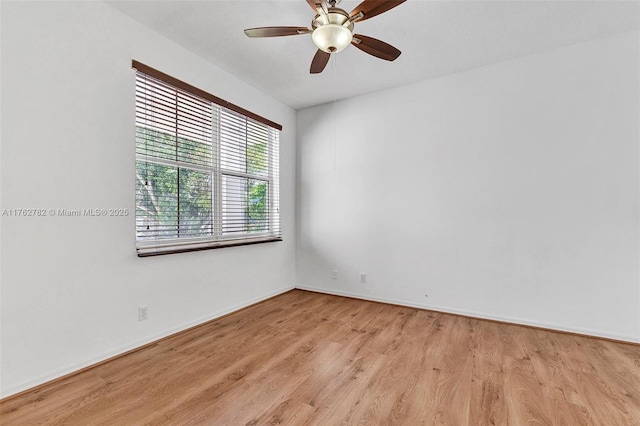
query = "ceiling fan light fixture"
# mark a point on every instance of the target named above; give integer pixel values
(332, 38)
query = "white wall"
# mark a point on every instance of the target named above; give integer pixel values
(507, 192)
(71, 286)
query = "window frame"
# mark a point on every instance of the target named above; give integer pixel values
(217, 239)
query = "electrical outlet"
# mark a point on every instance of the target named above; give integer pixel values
(334, 274)
(143, 313)
(363, 278)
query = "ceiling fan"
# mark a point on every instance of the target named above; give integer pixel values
(332, 30)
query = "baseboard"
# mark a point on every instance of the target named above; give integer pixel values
(131, 347)
(480, 315)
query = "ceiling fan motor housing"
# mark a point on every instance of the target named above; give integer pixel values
(333, 31)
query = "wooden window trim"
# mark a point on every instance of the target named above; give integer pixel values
(161, 252)
(206, 95)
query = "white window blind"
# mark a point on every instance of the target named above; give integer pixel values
(206, 174)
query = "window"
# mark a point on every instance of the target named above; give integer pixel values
(206, 170)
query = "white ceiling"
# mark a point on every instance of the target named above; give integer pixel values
(436, 38)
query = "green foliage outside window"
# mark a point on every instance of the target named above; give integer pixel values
(176, 201)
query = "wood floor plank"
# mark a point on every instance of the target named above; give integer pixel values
(488, 403)
(305, 358)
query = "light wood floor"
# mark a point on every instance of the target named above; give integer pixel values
(305, 358)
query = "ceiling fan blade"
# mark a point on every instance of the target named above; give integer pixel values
(371, 8)
(276, 31)
(320, 61)
(319, 6)
(375, 47)
(315, 4)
